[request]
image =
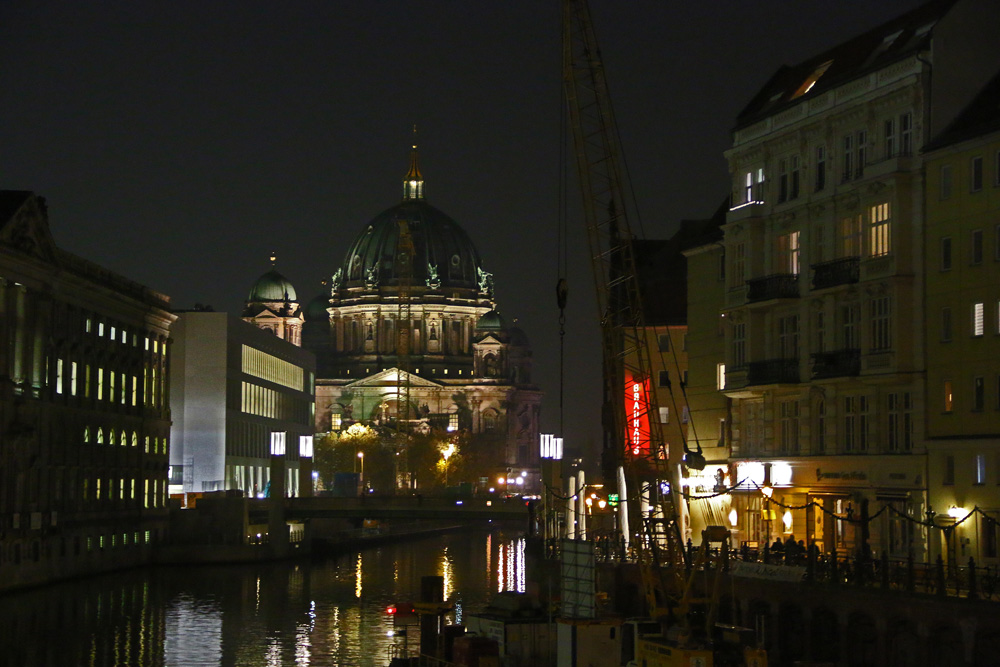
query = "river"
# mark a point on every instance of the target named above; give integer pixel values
(304, 613)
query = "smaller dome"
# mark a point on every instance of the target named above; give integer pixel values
(491, 321)
(315, 310)
(272, 286)
(518, 337)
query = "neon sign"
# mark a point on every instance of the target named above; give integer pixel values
(637, 415)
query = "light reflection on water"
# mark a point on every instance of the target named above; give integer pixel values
(315, 614)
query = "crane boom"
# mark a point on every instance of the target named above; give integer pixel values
(626, 354)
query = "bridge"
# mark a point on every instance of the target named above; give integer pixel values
(387, 508)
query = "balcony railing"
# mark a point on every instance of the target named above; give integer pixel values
(777, 286)
(842, 271)
(773, 371)
(842, 363)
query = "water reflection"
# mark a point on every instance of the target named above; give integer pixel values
(306, 614)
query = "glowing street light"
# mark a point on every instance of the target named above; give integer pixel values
(361, 457)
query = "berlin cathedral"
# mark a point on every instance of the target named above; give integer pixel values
(409, 338)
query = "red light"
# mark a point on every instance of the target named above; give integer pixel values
(390, 609)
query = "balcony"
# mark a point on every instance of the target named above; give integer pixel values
(842, 363)
(778, 286)
(773, 371)
(842, 271)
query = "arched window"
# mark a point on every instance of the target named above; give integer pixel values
(100, 436)
(86, 434)
(489, 420)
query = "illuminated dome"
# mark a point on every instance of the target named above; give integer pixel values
(491, 321)
(272, 286)
(444, 259)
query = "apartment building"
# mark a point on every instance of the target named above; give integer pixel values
(824, 307)
(962, 330)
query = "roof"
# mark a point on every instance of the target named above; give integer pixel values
(272, 286)
(444, 257)
(980, 117)
(892, 41)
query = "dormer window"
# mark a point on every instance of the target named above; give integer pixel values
(811, 80)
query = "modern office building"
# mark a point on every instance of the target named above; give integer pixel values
(84, 416)
(239, 395)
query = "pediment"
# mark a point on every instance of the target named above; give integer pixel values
(27, 230)
(489, 340)
(390, 378)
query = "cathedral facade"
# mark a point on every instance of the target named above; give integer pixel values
(409, 338)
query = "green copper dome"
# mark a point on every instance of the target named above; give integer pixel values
(315, 310)
(491, 321)
(272, 286)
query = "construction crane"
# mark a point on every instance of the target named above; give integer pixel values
(627, 360)
(626, 355)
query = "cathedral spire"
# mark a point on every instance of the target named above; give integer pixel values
(413, 183)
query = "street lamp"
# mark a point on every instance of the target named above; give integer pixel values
(446, 453)
(361, 457)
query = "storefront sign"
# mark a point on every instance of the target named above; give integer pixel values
(637, 415)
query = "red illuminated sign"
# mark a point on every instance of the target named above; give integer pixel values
(637, 415)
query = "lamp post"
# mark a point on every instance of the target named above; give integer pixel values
(446, 453)
(361, 457)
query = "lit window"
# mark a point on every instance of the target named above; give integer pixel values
(811, 80)
(453, 421)
(59, 376)
(980, 469)
(336, 420)
(879, 240)
(978, 324)
(720, 376)
(948, 396)
(664, 415)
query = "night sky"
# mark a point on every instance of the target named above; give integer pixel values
(179, 143)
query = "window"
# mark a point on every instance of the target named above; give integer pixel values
(889, 135)
(788, 253)
(848, 158)
(976, 174)
(850, 236)
(905, 133)
(980, 473)
(976, 247)
(949, 470)
(783, 178)
(946, 253)
(793, 175)
(996, 169)
(820, 439)
(720, 376)
(664, 379)
(996, 243)
(685, 415)
(978, 324)
(948, 396)
(945, 324)
(664, 415)
(788, 337)
(856, 419)
(739, 345)
(820, 168)
(879, 239)
(59, 376)
(881, 323)
(336, 421)
(900, 418)
(849, 319)
(859, 169)
(663, 340)
(789, 414)
(945, 185)
(736, 276)
(453, 421)
(978, 394)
